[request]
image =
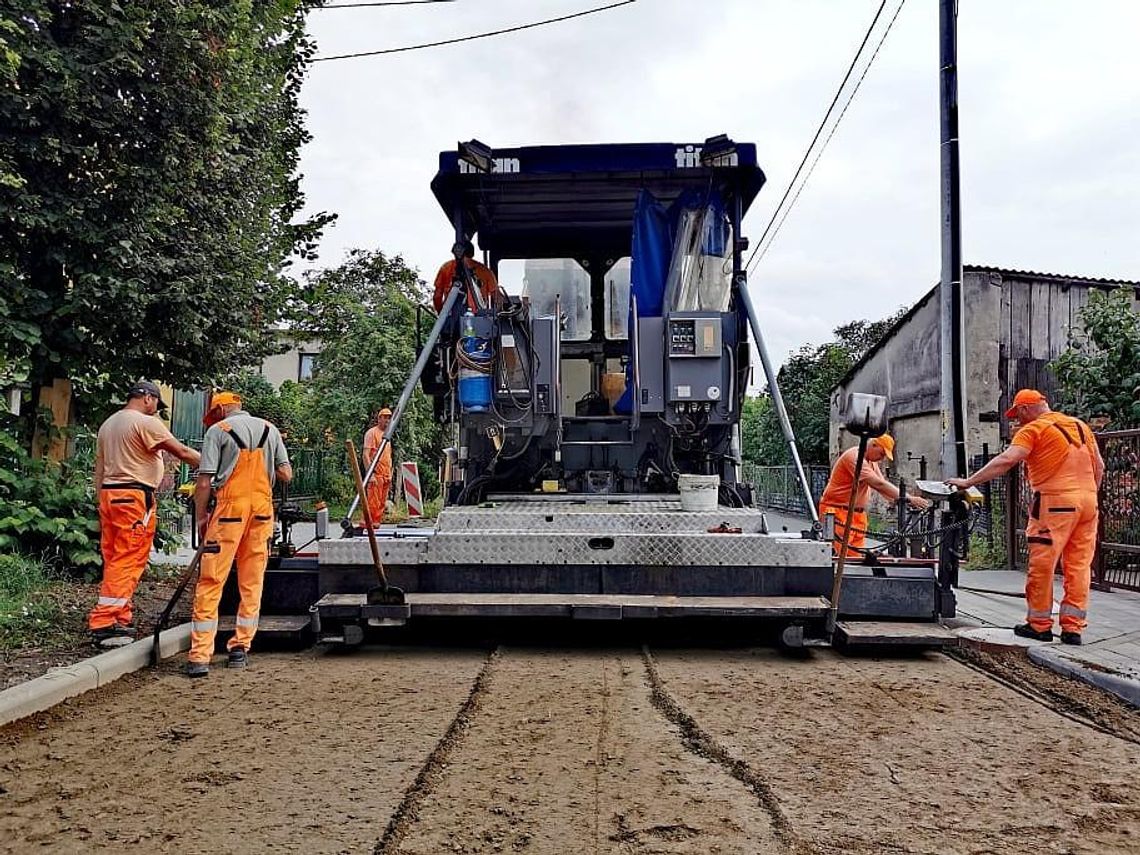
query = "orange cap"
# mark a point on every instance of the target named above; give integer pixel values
(384, 412)
(887, 443)
(1025, 397)
(222, 399)
(217, 401)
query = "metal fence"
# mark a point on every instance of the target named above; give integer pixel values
(778, 487)
(320, 472)
(1117, 563)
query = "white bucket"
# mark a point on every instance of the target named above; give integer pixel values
(698, 492)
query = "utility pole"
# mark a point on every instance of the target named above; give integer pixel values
(951, 302)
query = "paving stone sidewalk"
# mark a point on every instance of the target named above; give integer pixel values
(1110, 656)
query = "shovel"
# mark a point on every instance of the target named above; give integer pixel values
(382, 594)
(191, 570)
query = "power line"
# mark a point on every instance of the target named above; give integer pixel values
(818, 131)
(380, 3)
(476, 35)
(827, 140)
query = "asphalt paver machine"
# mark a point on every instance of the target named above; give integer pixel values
(592, 409)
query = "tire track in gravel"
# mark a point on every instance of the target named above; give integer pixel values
(703, 744)
(599, 758)
(310, 751)
(912, 754)
(407, 812)
(567, 753)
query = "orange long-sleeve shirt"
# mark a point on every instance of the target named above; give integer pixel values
(488, 284)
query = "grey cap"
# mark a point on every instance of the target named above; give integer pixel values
(145, 387)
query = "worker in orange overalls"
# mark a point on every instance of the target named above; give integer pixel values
(128, 468)
(837, 495)
(381, 481)
(242, 456)
(484, 278)
(1065, 471)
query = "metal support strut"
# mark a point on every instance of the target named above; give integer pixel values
(409, 388)
(777, 398)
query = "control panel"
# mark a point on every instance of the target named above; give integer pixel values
(696, 337)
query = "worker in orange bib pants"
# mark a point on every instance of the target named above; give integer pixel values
(381, 481)
(128, 468)
(837, 495)
(241, 457)
(1065, 471)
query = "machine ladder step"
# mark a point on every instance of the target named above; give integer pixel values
(280, 627)
(579, 606)
(895, 634)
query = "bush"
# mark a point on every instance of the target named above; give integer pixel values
(46, 508)
(1099, 373)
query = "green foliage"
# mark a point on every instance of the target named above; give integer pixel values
(763, 442)
(806, 381)
(1099, 373)
(47, 509)
(29, 614)
(148, 175)
(364, 314)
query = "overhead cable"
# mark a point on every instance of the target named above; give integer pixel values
(819, 130)
(487, 35)
(764, 249)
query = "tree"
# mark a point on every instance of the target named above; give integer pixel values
(806, 381)
(1099, 372)
(148, 173)
(364, 313)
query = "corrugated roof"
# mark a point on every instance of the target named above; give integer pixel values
(979, 268)
(1037, 274)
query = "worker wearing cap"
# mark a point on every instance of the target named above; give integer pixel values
(483, 277)
(1065, 471)
(837, 495)
(128, 469)
(381, 481)
(242, 456)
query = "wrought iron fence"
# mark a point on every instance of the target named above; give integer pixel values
(778, 487)
(321, 473)
(1118, 548)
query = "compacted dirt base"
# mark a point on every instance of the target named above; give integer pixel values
(541, 750)
(912, 755)
(568, 754)
(301, 752)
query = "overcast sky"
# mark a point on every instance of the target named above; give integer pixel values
(1049, 96)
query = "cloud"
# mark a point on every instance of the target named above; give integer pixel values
(1050, 111)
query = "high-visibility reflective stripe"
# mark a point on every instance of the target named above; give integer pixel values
(1066, 609)
(246, 621)
(1041, 613)
(203, 625)
(113, 601)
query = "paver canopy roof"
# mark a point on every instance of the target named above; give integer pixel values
(577, 200)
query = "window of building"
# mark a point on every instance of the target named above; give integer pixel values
(306, 365)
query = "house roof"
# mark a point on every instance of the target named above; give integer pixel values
(1037, 274)
(978, 268)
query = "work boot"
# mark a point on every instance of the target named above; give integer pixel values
(1071, 638)
(197, 669)
(1026, 631)
(115, 633)
(238, 658)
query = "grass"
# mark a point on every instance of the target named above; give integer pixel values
(983, 556)
(37, 608)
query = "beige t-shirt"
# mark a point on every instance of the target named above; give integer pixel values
(127, 449)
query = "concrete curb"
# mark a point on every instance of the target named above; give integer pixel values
(58, 684)
(1125, 688)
